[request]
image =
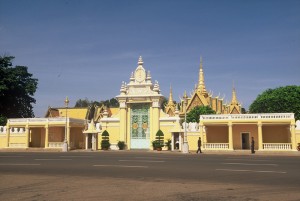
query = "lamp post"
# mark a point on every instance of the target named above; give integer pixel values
(185, 146)
(65, 144)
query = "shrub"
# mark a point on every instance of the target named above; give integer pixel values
(105, 140)
(121, 145)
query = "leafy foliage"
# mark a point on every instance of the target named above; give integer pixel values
(194, 114)
(17, 88)
(121, 145)
(83, 103)
(159, 139)
(279, 100)
(105, 140)
(86, 103)
(168, 144)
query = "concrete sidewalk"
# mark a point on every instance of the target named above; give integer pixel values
(204, 152)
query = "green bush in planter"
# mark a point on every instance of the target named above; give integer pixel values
(159, 139)
(105, 140)
(155, 144)
(121, 145)
(168, 144)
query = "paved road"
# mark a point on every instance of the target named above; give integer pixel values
(135, 175)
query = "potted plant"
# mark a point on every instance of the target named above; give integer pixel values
(159, 140)
(154, 144)
(121, 145)
(105, 145)
(168, 144)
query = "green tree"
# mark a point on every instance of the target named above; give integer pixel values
(279, 100)
(17, 88)
(86, 103)
(83, 103)
(194, 114)
(110, 102)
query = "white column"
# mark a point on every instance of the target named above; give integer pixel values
(180, 141)
(172, 143)
(27, 136)
(68, 136)
(293, 137)
(86, 141)
(7, 134)
(230, 136)
(260, 138)
(46, 136)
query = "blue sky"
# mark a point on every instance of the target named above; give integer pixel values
(85, 49)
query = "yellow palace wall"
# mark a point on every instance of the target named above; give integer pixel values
(237, 131)
(2, 141)
(166, 123)
(192, 138)
(113, 129)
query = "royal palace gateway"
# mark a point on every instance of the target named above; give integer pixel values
(140, 116)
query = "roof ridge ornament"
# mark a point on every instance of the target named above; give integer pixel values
(140, 62)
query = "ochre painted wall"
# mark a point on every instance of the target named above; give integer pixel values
(37, 137)
(217, 134)
(237, 131)
(276, 134)
(56, 134)
(77, 138)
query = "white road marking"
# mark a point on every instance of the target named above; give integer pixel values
(143, 161)
(53, 159)
(76, 156)
(12, 164)
(258, 171)
(123, 166)
(11, 156)
(150, 158)
(250, 164)
(244, 159)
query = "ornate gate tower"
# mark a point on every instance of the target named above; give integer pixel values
(140, 102)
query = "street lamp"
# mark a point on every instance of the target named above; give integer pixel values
(65, 144)
(185, 146)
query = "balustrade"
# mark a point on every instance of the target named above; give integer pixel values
(216, 146)
(248, 116)
(277, 146)
(55, 144)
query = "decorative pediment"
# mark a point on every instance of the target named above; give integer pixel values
(139, 86)
(234, 110)
(197, 100)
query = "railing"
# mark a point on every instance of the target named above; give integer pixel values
(54, 119)
(191, 127)
(55, 144)
(248, 116)
(216, 146)
(277, 146)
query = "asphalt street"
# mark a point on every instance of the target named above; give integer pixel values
(168, 176)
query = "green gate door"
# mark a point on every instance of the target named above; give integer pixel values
(140, 131)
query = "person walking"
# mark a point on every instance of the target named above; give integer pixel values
(252, 145)
(199, 145)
